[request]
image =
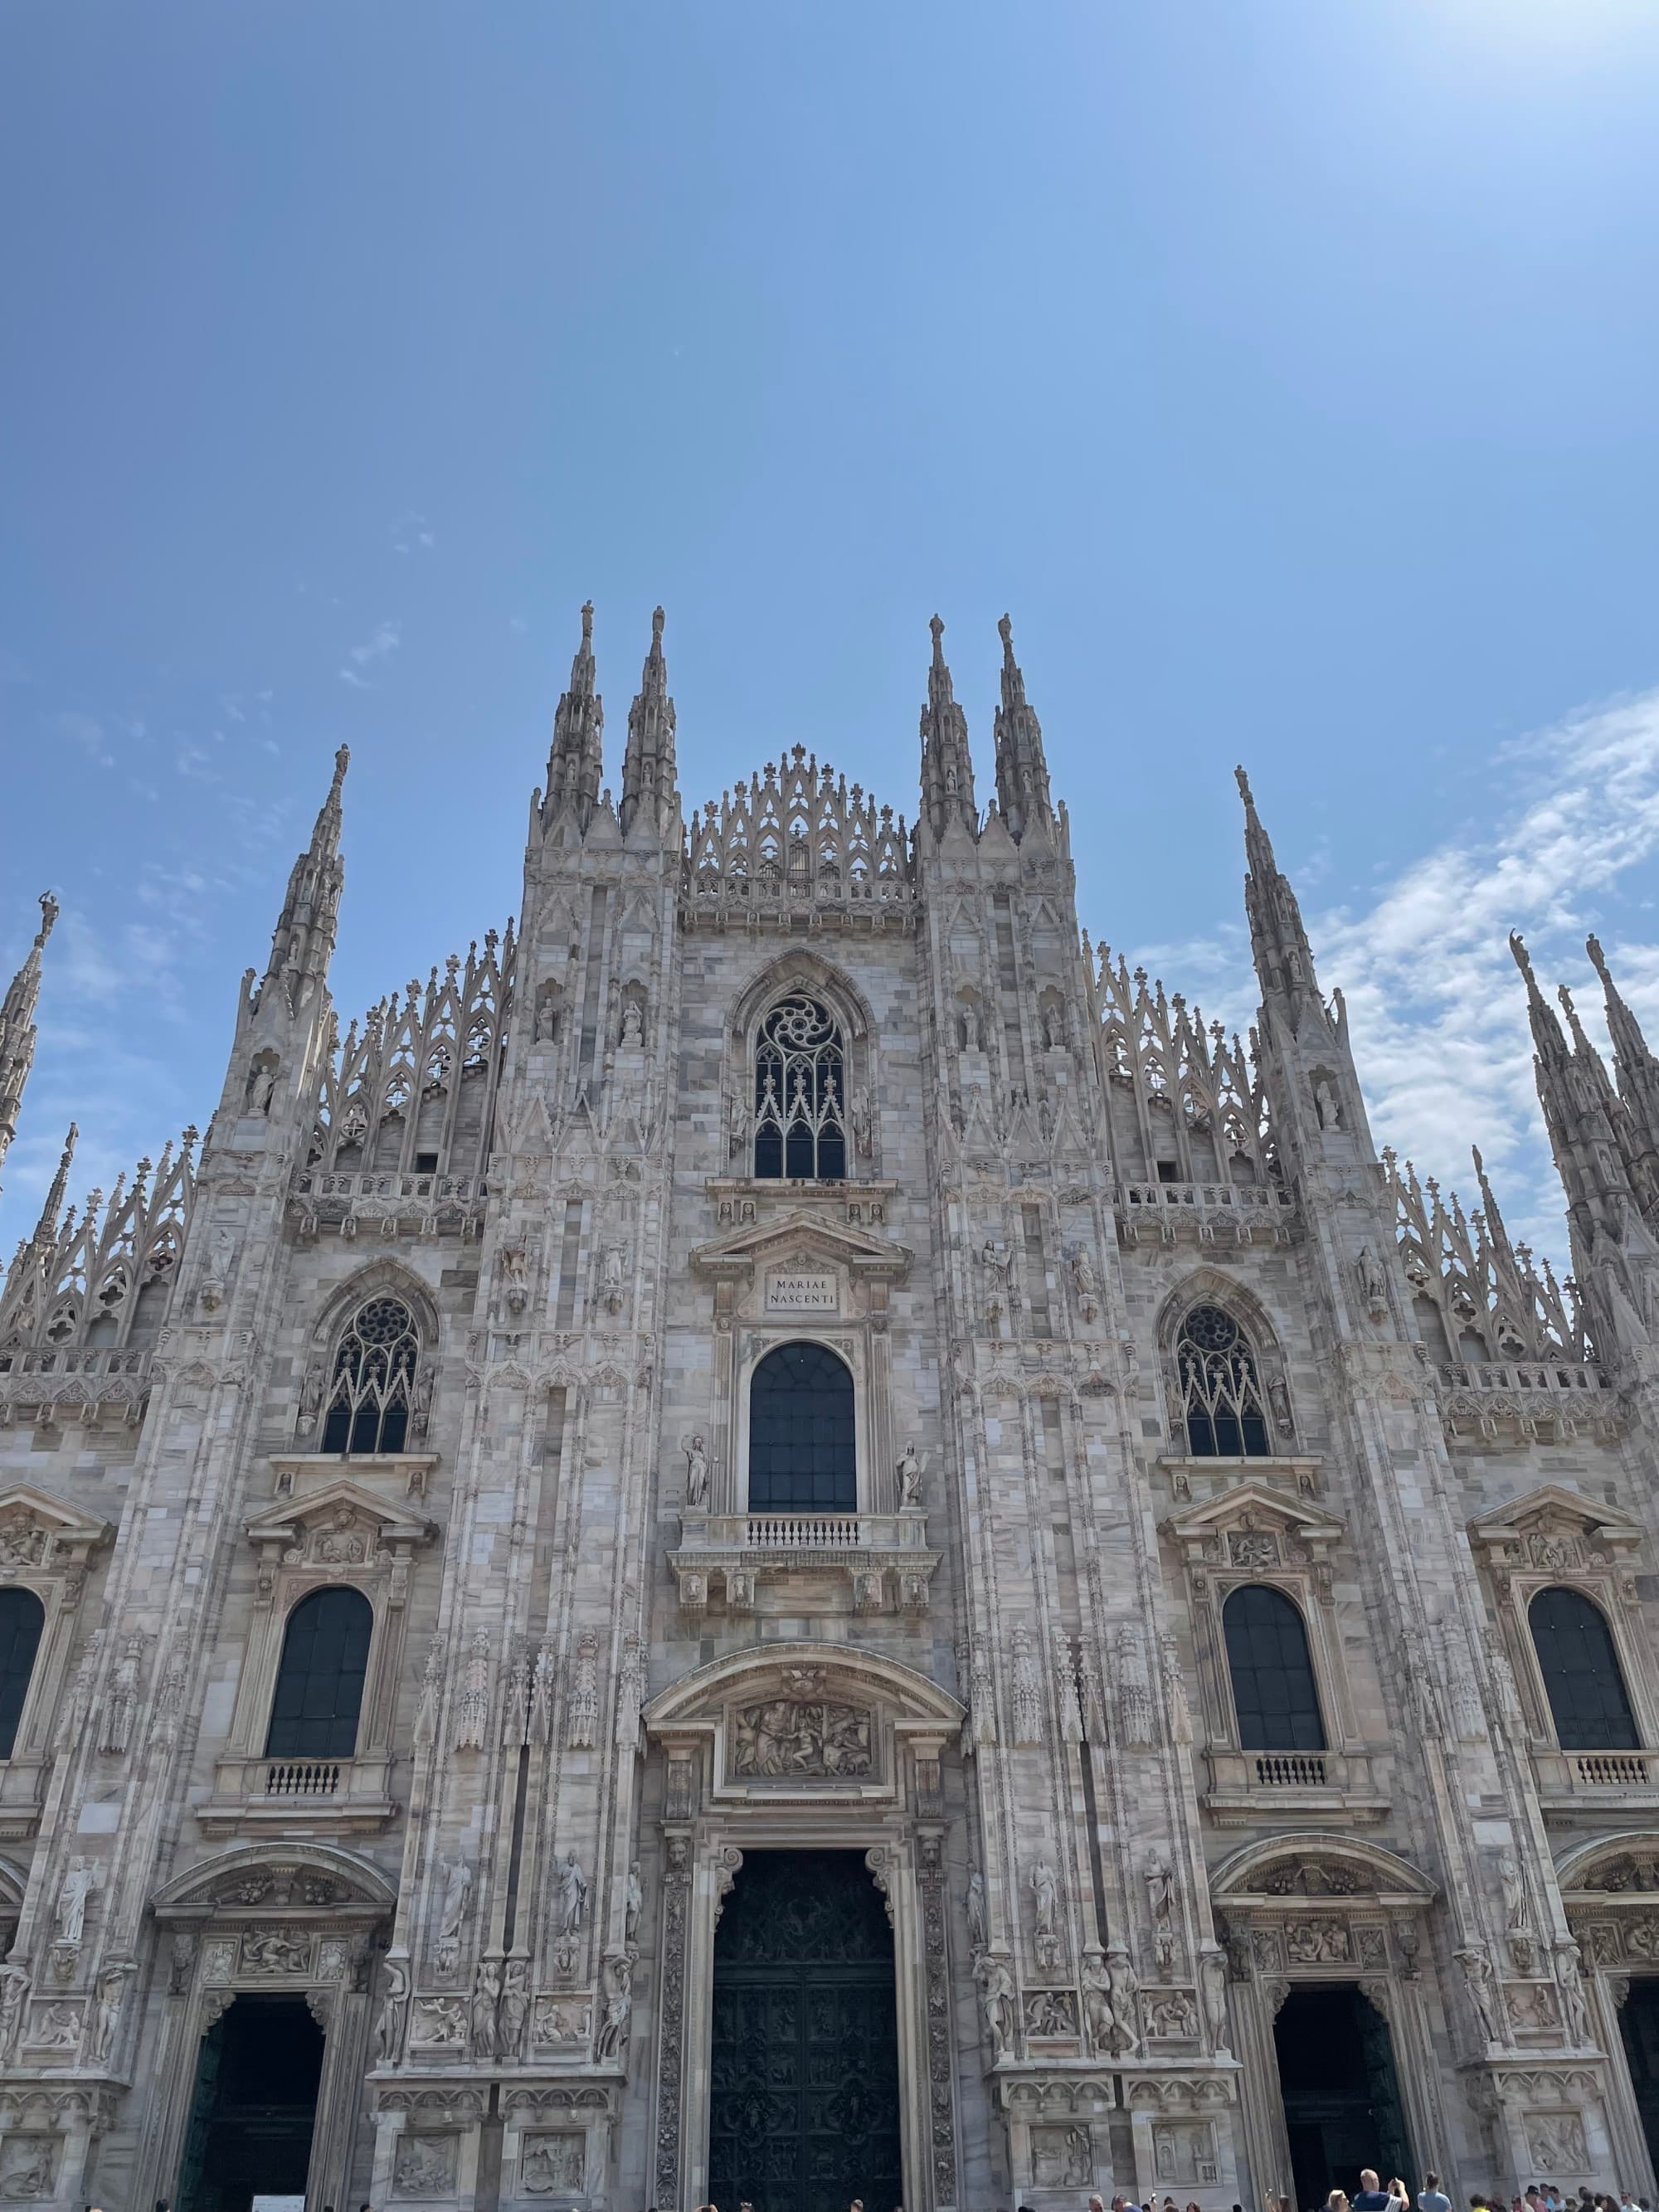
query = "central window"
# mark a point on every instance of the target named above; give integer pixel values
(800, 1090)
(1221, 1395)
(803, 1448)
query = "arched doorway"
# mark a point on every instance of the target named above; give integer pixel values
(257, 2073)
(803, 2102)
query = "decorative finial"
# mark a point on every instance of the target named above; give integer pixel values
(1598, 958)
(587, 622)
(1518, 948)
(1005, 632)
(938, 629)
(1244, 791)
(48, 914)
(342, 761)
(656, 620)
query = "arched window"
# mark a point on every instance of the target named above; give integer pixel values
(320, 1684)
(800, 1091)
(1274, 1689)
(22, 1616)
(1580, 1667)
(802, 1444)
(1220, 1391)
(374, 1378)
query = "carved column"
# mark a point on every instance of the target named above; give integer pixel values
(344, 2015)
(668, 2132)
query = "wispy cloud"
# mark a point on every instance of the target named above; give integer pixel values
(386, 639)
(1436, 1012)
(413, 533)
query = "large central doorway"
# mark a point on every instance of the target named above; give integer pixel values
(255, 2105)
(803, 2103)
(1638, 2024)
(1341, 2095)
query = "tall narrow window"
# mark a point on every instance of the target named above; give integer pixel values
(320, 1684)
(800, 1090)
(803, 1453)
(1273, 1691)
(374, 1380)
(21, 1618)
(1586, 1691)
(1221, 1392)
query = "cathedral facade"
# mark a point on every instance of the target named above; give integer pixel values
(784, 1537)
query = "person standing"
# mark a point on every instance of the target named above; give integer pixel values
(1430, 2197)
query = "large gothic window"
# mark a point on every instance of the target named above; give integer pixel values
(1588, 1702)
(1275, 1694)
(319, 1683)
(1221, 1389)
(803, 1451)
(800, 1093)
(374, 1378)
(21, 1618)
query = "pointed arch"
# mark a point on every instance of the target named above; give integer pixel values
(798, 970)
(1228, 1391)
(375, 1344)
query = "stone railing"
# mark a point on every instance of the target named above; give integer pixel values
(1290, 1769)
(880, 1560)
(1575, 1775)
(1528, 1396)
(58, 1383)
(1336, 1783)
(1239, 1213)
(389, 1200)
(254, 1796)
(856, 901)
(303, 1779)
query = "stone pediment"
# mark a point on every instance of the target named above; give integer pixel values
(262, 1879)
(342, 1504)
(805, 1235)
(36, 1528)
(1337, 1870)
(803, 1671)
(1553, 1514)
(1253, 1505)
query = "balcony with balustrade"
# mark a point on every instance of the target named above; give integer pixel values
(804, 1562)
(1248, 1786)
(298, 1796)
(1206, 1213)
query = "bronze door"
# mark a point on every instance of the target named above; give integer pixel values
(804, 2109)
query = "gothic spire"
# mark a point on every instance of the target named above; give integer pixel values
(1579, 1113)
(17, 1031)
(1022, 769)
(576, 765)
(303, 936)
(45, 1229)
(1638, 1072)
(648, 778)
(1284, 958)
(947, 767)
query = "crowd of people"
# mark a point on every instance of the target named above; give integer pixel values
(1370, 2196)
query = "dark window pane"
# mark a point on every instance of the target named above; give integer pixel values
(802, 1441)
(1223, 1399)
(1580, 1668)
(1274, 1691)
(21, 1618)
(798, 1094)
(319, 1683)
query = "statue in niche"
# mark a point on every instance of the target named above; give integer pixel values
(486, 1996)
(457, 1895)
(612, 1271)
(1482, 1995)
(633, 1026)
(261, 1084)
(70, 1919)
(997, 1261)
(1126, 1993)
(1045, 1892)
(611, 2041)
(976, 1936)
(547, 1014)
(1326, 1105)
(515, 2004)
(389, 2022)
(1372, 1287)
(1513, 1885)
(909, 1479)
(696, 1471)
(572, 1887)
(996, 1987)
(633, 1905)
(862, 1123)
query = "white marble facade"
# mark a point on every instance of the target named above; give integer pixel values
(597, 1675)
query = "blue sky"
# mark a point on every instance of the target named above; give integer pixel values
(1285, 369)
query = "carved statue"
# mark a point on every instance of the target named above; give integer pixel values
(633, 1026)
(1134, 1692)
(611, 2041)
(1575, 2012)
(1326, 1103)
(976, 1936)
(614, 1268)
(1028, 1691)
(572, 1887)
(1125, 1995)
(423, 2166)
(909, 1478)
(486, 1996)
(996, 1987)
(515, 2004)
(14, 1992)
(106, 2010)
(1213, 1988)
(30, 2180)
(121, 1702)
(547, 1012)
(59, 2029)
(633, 1905)
(696, 1473)
(394, 2008)
(981, 1699)
(1513, 1885)
(1160, 1900)
(1109, 2036)
(1085, 1284)
(1482, 1994)
(630, 1693)
(1045, 1893)
(70, 1916)
(457, 1895)
(1373, 1286)
(997, 1261)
